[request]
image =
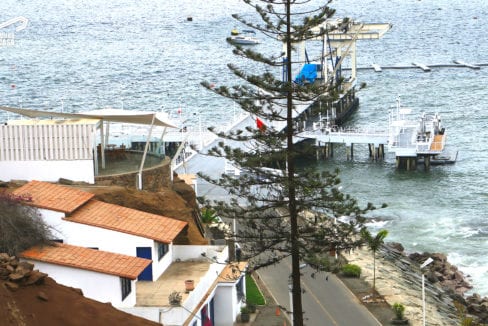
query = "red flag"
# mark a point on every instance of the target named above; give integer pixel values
(260, 124)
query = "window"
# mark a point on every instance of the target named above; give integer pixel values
(125, 285)
(162, 250)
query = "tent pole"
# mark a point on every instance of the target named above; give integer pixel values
(139, 186)
(102, 145)
(107, 132)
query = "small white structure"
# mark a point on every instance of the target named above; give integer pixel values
(48, 150)
(102, 276)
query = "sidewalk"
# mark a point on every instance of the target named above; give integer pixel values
(269, 314)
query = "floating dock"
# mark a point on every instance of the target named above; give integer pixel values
(426, 67)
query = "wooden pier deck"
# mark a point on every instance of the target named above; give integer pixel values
(438, 143)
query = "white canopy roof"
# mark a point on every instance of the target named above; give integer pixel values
(113, 115)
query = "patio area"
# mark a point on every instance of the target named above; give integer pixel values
(155, 294)
(121, 161)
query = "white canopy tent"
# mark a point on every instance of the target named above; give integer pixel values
(106, 115)
(111, 115)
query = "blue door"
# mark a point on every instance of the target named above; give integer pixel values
(145, 252)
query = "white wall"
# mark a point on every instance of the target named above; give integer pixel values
(83, 235)
(96, 286)
(51, 171)
(55, 221)
(150, 313)
(226, 308)
(118, 242)
(213, 253)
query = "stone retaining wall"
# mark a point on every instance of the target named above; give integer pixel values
(153, 179)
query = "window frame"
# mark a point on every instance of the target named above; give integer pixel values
(163, 249)
(125, 287)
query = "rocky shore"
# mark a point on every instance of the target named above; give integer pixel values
(398, 279)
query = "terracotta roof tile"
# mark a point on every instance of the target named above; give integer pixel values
(89, 259)
(52, 196)
(128, 220)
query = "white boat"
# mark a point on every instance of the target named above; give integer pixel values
(247, 37)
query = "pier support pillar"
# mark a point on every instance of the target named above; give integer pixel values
(407, 163)
(349, 152)
(317, 150)
(381, 149)
(427, 162)
(331, 149)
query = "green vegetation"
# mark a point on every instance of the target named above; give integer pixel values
(374, 244)
(209, 216)
(244, 310)
(351, 270)
(270, 199)
(399, 310)
(462, 313)
(253, 294)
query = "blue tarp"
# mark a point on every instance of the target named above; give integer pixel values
(307, 74)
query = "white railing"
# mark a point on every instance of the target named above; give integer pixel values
(46, 142)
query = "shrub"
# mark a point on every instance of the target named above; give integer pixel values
(399, 310)
(209, 215)
(321, 263)
(251, 307)
(21, 226)
(174, 298)
(244, 310)
(351, 270)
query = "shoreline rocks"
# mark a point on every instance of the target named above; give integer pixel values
(398, 279)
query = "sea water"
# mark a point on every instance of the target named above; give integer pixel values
(148, 55)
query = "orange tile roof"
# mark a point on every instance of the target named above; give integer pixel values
(128, 220)
(89, 259)
(52, 196)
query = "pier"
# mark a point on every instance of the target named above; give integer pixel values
(410, 139)
(427, 67)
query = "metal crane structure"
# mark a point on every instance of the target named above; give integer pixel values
(335, 41)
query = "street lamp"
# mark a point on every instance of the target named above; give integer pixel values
(426, 262)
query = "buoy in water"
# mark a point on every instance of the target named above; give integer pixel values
(189, 18)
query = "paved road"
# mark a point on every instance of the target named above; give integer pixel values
(325, 302)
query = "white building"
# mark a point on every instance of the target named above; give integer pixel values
(79, 220)
(48, 150)
(66, 147)
(102, 276)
